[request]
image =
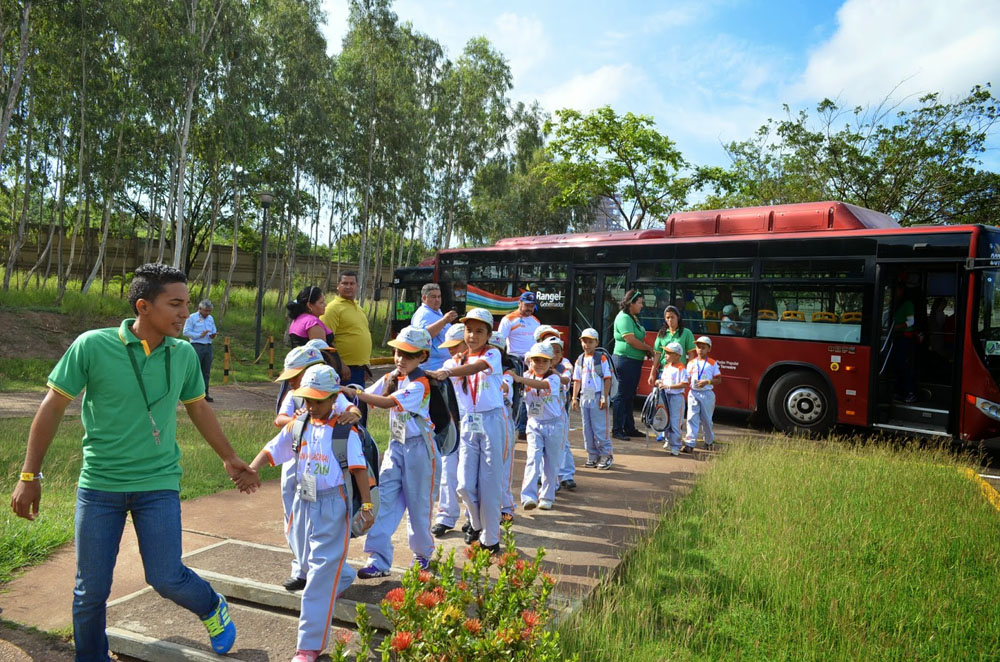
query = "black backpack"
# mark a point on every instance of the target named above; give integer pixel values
(445, 428)
(368, 448)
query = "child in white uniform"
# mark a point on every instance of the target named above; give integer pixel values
(591, 395)
(448, 503)
(507, 503)
(411, 465)
(704, 374)
(674, 379)
(545, 428)
(477, 380)
(320, 516)
(296, 361)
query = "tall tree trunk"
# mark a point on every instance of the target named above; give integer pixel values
(62, 204)
(64, 279)
(15, 85)
(204, 276)
(232, 259)
(109, 196)
(17, 241)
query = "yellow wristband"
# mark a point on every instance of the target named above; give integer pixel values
(28, 477)
(367, 506)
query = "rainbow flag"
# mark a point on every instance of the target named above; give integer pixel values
(495, 303)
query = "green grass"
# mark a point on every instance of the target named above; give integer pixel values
(27, 373)
(24, 543)
(808, 552)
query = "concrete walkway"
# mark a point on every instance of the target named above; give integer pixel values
(585, 534)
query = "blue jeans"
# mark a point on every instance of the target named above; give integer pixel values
(622, 405)
(204, 352)
(100, 520)
(359, 373)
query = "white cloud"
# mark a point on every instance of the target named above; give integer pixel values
(522, 40)
(584, 92)
(335, 28)
(920, 45)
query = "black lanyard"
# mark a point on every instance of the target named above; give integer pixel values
(142, 387)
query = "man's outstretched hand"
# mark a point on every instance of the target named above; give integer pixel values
(247, 479)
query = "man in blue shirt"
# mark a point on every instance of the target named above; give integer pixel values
(429, 316)
(200, 329)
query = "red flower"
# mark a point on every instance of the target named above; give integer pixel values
(548, 579)
(462, 586)
(438, 592)
(428, 599)
(507, 557)
(471, 551)
(344, 636)
(395, 598)
(472, 625)
(530, 618)
(519, 566)
(402, 640)
(424, 576)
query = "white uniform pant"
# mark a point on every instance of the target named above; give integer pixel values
(675, 413)
(545, 446)
(595, 429)
(481, 471)
(322, 530)
(567, 467)
(288, 487)
(448, 503)
(701, 406)
(507, 504)
(407, 481)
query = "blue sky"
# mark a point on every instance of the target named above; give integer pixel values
(712, 71)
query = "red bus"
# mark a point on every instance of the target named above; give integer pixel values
(813, 284)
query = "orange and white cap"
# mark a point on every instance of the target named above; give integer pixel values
(298, 360)
(546, 330)
(675, 348)
(590, 333)
(703, 340)
(320, 344)
(554, 340)
(540, 350)
(455, 335)
(318, 383)
(412, 339)
(480, 315)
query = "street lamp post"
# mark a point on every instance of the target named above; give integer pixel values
(266, 198)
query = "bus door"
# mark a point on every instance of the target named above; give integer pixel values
(596, 297)
(916, 344)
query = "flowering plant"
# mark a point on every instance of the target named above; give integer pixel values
(454, 616)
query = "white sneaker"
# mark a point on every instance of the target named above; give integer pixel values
(530, 504)
(545, 504)
(608, 461)
(666, 445)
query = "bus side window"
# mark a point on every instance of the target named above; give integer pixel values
(718, 309)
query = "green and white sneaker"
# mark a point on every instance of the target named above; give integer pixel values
(221, 629)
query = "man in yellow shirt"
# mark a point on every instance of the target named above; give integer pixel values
(351, 336)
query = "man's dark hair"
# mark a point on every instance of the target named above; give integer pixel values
(150, 280)
(347, 274)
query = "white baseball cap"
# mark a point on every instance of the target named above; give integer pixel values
(554, 340)
(455, 335)
(412, 339)
(705, 340)
(590, 333)
(675, 347)
(546, 330)
(497, 340)
(320, 344)
(318, 383)
(541, 350)
(298, 360)
(480, 315)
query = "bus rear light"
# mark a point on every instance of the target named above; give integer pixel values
(848, 368)
(991, 409)
(849, 412)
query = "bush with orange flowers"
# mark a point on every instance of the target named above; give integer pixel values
(464, 616)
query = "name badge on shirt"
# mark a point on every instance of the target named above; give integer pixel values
(397, 431)
(589, 395)
(307, 487)
(476, 424)
(536, 408)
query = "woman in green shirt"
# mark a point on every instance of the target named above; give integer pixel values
(673, 330)
(630, 350)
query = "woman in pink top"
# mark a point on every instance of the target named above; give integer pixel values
(304, 311)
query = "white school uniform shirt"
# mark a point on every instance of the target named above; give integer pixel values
(452, 363)
(698, 369)
(316, 454)
(518, 331)
(340, 405)
(564, 367)
(550, 400)
(413, 400)
(586, 373)
(674, 374)
(483, 392)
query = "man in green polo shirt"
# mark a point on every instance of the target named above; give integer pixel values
(351, 336)
(132, 378)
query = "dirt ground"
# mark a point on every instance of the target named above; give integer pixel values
(40, 335)
(22, 645)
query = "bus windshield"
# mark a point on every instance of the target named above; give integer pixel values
(989, 316)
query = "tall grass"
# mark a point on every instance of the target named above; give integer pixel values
(808, 552)
(24, 543)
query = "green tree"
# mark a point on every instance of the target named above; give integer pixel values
(622, 158)
(920, 165)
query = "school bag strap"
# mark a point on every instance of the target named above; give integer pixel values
(299, 424)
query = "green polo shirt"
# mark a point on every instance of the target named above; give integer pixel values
(626, 324)
(120, 453)
(350, 330)
(684, 337)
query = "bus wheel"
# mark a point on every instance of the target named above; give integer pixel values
(801, 403)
